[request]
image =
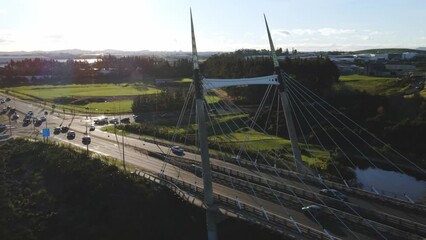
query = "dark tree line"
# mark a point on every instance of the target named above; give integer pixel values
(48, 71)
(164, 101)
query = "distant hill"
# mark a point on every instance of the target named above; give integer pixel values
(391, 50)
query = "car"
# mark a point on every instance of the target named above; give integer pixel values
(12, 110)
(4, 110)
(177, 150)
(334, 194)
(43, 118)
(92, 128)
(26, 122)
(101, 121)
(312, 210)
(138, 118)
(7, 99)
(8, 107)
(2, 127)
(37, 122)
(86, 140)
(15, 116)
(2, 101)
(46, 113)
(214, 111)
(64, 129)
(125, 120)
(56, 130)
(30, 113)
(70, 135)
(113, 121)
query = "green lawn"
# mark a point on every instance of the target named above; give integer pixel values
(50, 92)
(110, 104)
(370, 84)
(124, 106)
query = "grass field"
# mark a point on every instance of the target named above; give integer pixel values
(116, 97)
(50, 92)
(369, 84)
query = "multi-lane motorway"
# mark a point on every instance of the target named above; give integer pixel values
(228, 184)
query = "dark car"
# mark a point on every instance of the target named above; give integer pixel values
(86, 140)
(92, 128)
(312, 210)
(7, 99)
(138, 118)
(15, 116)
(113, 121)
(64, 129)
(2, 127)
(26, 122)
(214, 111)
(334, 194)
(56, 130)
(125, 120)
(177, 150)
(70, 135)
(101, 121)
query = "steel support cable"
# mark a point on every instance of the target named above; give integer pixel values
(347, 205)
(267, 182)
(279, 176)
(260, 128)
(332, 125)
(220, 147)
(293, 193)
(189, 120)
(313, 131)
(316, 120)
(360, 127)
(270, 107)
(300, 127)
(175, 131)
(182, 112)
(251, 186)
(262, 103)
(250, 183)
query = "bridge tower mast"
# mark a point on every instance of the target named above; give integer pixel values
(283, 91)
(202, 133)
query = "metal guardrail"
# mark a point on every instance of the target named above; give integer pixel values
(295, 202)
(393, 224)
(246, 211)
(389, 224)
(357, 191)
(393, 221)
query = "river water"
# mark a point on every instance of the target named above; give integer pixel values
(391, 183)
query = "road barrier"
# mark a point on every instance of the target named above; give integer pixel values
(247, 212)
(389, 224)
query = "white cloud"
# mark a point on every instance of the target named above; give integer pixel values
(334, 31)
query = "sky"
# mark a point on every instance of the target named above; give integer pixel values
(220, 25)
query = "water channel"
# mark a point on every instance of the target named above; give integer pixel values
(390, 183)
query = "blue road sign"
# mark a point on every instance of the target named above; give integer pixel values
(46, 132)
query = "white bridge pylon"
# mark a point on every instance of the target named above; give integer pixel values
(212, 83)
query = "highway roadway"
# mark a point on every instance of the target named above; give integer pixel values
(108, 144)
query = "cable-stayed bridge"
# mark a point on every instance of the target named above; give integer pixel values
(239, 169)
(251, 177)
